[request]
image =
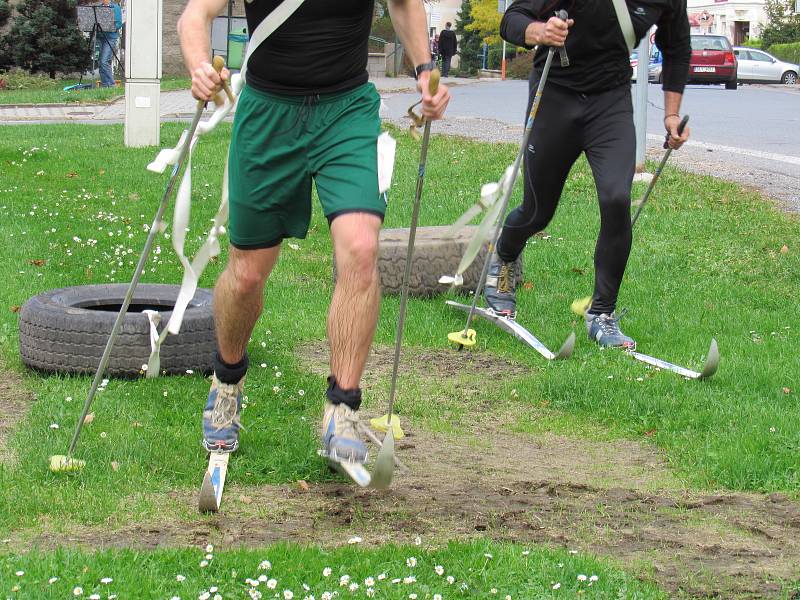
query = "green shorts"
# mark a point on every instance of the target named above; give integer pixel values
(280, 143)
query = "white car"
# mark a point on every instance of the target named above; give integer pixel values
(757, 66)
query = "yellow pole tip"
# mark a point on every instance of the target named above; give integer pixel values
(382, 424)
(581, 305)
(459, 338)
(65, 464)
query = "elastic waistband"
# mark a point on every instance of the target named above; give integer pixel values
(308, 100)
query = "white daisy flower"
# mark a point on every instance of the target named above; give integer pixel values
(272, 584)
(411, 562)
(439, 570)
(326, 572)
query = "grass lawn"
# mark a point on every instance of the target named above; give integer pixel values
(52, 92)
(708, 260)
(456, 570)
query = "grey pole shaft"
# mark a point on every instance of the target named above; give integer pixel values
(507, 196)
(681, 127)
(412, 234)
(101, 369)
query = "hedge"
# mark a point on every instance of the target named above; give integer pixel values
(788, 52)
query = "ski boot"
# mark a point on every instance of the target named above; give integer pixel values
(500, 290)
(604, 329)
(221, 416)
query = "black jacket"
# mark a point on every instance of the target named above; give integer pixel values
(598, 55)
(448, 45)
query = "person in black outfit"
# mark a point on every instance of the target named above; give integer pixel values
(448, 46)
(587, 108)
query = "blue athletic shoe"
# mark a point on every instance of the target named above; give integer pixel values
(221, 416)
(604, 329)
(500, 290)
(341, 441)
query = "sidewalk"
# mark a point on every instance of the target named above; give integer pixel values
(174, 105)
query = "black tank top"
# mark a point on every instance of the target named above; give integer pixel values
(322, 48)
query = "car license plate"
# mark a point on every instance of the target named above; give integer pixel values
(705, 69)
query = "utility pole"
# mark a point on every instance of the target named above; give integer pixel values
(502, 5)
(143, 39)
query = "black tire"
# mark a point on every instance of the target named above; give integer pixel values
(732, 84)
(435, 254)
(789, 78)
(66, 330)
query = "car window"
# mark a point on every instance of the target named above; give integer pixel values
(709, 42)
(742, 53)
(760, 56)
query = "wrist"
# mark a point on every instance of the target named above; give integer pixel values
(671, 115)
(533, 33)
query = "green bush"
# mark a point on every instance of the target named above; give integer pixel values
(753, 43)
(520, 67)
(788, 52)
(17, 79)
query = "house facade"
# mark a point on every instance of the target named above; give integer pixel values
(736, 19)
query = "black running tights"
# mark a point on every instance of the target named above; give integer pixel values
(568, 123)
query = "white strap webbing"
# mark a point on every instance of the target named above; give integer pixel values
(192, 270)
(490, 194)
(625, 23)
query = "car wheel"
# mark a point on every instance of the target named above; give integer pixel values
(731, 85)
(789, 78)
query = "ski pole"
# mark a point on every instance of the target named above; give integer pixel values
(59, 463)
(507, 196)
(384, 463)
(681, 127)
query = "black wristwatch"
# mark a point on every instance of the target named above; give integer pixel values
(429, 66)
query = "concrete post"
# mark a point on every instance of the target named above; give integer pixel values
(143, 44)
(640, 102)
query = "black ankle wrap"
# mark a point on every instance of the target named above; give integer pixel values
(337, 395)
(227, 373)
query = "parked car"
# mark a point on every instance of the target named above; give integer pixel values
(713, 61)
(757, 66)
(654, 68)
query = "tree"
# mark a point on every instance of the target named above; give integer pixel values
(5, 12)
(44, 38)
(469, 41)
(784, 23)
(486, 20)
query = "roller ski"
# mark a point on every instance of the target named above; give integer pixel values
(604, 329)
(500, 294)
(220, 439)
(710, 365)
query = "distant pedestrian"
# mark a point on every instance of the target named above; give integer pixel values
(448, 46)
(108, 41)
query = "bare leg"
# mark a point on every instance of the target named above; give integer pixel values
(238, 299)
(353, 315)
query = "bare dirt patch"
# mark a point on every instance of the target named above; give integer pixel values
(619, 500)
(14, 403)
(418, 362)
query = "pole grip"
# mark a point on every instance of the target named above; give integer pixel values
(562, 52)
(219, 63)
(681, 127)
(433, 81)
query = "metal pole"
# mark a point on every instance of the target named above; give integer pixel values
(503, 63)
(640, 102)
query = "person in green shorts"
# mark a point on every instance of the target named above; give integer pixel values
(307, 113)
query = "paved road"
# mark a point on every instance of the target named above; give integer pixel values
(749, 135)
